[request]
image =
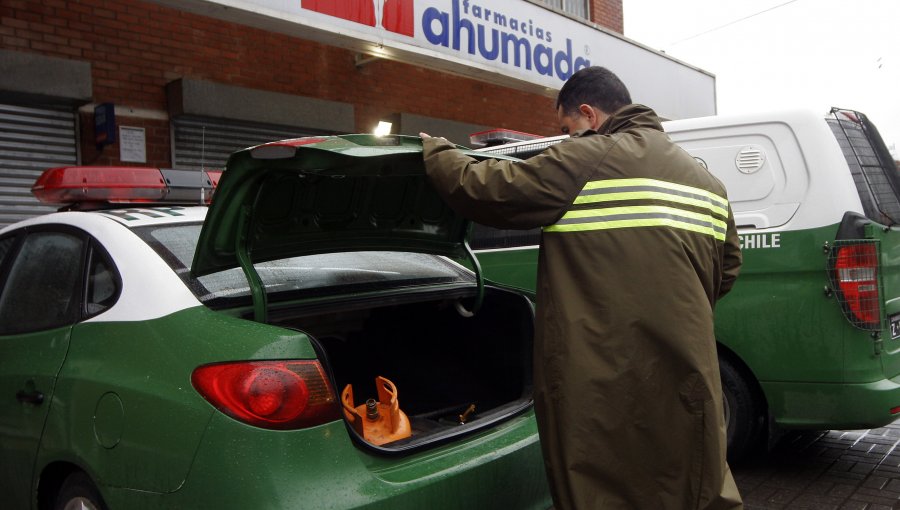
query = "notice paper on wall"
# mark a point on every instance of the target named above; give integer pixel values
(132, 144)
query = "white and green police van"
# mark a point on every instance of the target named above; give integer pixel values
(809, 338)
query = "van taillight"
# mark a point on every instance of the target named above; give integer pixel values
(269, 394)
(856, 275)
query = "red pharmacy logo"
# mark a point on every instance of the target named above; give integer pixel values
(395, 15)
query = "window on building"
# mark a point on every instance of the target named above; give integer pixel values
(32, 139)
(577, 8)
(202, 142)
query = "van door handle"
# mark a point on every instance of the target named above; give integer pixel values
(30, 397)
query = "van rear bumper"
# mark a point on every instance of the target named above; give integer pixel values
(803, 405)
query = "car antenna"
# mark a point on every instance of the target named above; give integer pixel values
(202, 162)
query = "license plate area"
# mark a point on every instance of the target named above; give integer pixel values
(895, 326)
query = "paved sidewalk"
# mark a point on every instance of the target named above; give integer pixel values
(853, 470)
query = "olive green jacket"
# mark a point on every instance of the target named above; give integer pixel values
(638, 243)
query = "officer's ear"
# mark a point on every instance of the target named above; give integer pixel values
(595, 116)
(586, 110)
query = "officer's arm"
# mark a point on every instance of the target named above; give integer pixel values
(731, 263)
(500, 193)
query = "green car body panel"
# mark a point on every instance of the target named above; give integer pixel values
(321, 468)
(33, 358)
(511, 267)
(154, 402)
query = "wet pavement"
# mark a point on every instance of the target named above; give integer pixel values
(853, 470)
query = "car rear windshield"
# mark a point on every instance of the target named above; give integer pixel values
(871, 165)
(307, 275)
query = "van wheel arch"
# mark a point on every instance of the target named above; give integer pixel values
(744, 404)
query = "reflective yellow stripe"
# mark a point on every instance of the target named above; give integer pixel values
(651, 189)
(639, 216)
(659, 222)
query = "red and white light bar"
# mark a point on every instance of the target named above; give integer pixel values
(124, 185)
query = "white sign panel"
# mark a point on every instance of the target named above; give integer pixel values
(508, 42)
(132, 144)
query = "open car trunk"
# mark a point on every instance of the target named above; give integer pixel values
(451, 374)
(440, 361)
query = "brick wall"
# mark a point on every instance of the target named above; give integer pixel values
(608, 13)
(156, 132)
(136, 47)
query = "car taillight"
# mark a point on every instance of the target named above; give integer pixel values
(856, 275)
(269, 394)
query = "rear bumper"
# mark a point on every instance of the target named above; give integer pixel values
(241, 467)
(833, 406)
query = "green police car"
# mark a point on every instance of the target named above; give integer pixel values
(311, 339)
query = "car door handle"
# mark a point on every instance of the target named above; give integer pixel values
(30, 397)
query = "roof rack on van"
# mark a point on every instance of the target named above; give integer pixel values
(524, 149)
(494, 137)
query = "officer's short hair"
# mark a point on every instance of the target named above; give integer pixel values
(596, 86)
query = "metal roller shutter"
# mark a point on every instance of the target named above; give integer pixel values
(32, 139)
(206, 143)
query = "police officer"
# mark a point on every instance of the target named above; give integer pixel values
(638, 243)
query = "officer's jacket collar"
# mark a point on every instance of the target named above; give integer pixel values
(628, 117)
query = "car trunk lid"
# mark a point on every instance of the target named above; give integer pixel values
(326, 194)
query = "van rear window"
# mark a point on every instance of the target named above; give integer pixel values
(871, 165)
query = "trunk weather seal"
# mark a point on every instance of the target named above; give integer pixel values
(479, 279)
(242, 252)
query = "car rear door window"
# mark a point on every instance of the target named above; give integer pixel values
(43, 287)
(102, 283)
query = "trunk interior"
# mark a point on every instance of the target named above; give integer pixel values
(440, 361)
